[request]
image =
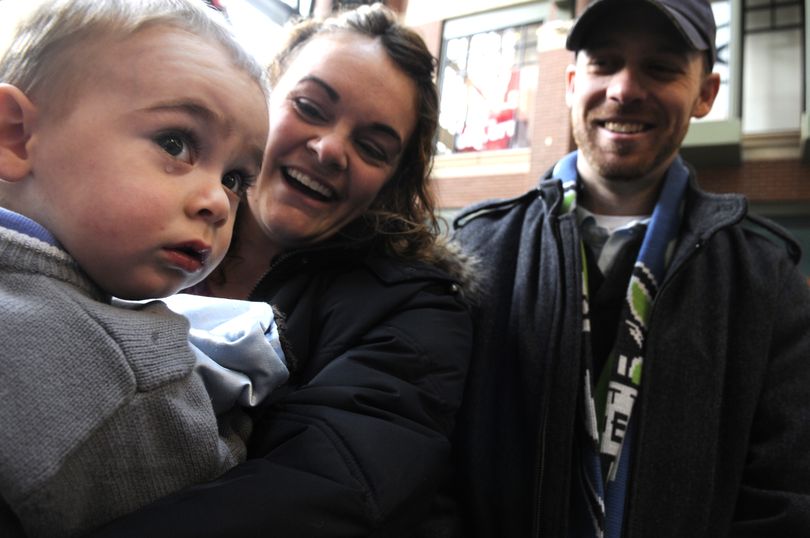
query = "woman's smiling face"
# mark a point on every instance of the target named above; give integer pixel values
(341, 117)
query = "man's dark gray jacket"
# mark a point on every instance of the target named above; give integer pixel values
(723, 443)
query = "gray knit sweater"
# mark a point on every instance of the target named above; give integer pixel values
(100, 412)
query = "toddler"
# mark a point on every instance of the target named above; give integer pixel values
(129, 130)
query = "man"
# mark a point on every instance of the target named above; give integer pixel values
(643, 362)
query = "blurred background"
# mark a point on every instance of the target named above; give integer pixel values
(503, 113)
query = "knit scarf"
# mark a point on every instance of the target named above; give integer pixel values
(610, 395)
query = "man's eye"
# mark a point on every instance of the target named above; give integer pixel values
(178, 145)
(665, 68)
(237, 182)
(600, 64)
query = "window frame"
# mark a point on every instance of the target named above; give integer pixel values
(722, 142)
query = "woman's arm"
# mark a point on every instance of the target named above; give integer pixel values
(359, 447)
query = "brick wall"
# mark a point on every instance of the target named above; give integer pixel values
(459, 192)
(761, 181)
(551, 135)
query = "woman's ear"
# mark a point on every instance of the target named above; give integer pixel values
(17, 116)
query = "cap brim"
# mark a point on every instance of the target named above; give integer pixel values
(592, 13)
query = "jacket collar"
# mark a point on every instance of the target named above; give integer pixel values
(706, 212)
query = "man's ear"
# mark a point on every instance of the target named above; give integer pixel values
(570, 79)
(709, 87)
(17, 117)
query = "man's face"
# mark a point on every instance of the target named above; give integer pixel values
(632, 92)
(141, 179)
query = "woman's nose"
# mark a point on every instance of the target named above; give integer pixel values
(330, 149)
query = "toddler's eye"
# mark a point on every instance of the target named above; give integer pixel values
(177, 145)
(236, 182)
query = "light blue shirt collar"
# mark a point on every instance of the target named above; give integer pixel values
(24, 225)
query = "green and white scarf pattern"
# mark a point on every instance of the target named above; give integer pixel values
(610, 399)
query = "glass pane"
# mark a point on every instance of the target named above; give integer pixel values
(789, 15)
(489, 80)
(722, 17)
(453, 105)
(759, 19)
(772, 86)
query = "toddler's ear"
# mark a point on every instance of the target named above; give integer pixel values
(17, 115)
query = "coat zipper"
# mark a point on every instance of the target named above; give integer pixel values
(542, 437)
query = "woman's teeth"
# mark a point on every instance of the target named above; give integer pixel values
(309, 183)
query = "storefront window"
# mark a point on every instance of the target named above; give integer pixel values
(488, 80)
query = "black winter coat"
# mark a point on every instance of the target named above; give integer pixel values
(357, 442)
(723, 443)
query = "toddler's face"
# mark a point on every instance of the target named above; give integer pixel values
(141, 180)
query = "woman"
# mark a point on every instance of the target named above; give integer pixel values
(339, 233)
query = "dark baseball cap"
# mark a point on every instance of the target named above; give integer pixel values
(693, 19)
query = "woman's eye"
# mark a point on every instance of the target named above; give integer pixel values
(372, 151)
(308, 109)
(237, 182)
(178, 145)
